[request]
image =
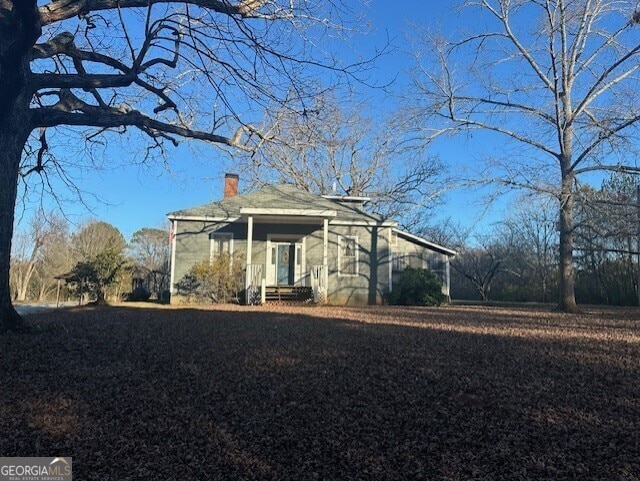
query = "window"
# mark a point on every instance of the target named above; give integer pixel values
(221, 243)
(400, 261)
(347, 255)
(426, 261)
(435, 263)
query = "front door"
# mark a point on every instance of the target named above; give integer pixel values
(285, 264)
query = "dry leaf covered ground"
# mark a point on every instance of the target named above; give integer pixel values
(278, 393)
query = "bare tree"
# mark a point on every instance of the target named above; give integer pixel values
(481, 262)
(39, 254)
(167, 69)
(532, 226)
(607, 219)
(607, 240)
(558, 79)
(151, 250)
(26, 254)
(332, 147)
(56, 256)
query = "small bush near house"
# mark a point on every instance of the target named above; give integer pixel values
(220, 281)
(417, 287)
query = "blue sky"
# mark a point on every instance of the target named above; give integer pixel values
(131, 197)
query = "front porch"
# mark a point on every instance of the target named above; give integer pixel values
(284, 274)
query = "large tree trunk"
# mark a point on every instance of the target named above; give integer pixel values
(19, 30)
(11, 145)
(567, 301)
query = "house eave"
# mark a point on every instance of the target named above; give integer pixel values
(202, 218)
(284, 215)
(347, 198)
(425, 242)
(372, 223)
(251, 211)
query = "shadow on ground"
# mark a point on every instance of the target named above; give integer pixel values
(460, 393)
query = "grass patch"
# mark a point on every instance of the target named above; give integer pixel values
(326, 393)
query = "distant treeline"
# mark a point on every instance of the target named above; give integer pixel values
(518, 260)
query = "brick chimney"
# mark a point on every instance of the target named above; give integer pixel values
(230, 185)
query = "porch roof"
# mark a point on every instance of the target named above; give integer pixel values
(283, 200)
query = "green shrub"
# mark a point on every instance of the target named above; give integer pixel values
(417, 287)
(219, 281)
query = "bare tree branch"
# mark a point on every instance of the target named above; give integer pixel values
(63, 113)
(58, 10)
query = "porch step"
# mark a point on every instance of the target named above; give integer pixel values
(288, 294)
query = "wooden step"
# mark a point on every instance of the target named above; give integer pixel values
(288, 294)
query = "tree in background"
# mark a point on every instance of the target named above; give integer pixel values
(39, 254)
(94, 238)
(98, 248)
(532, 224)
(92, 277)
(556, 82)
(480, 264)
(336, 148)
(197, 69)
(151, 251)
(56, 256)
(26, 254)
(606, 233)
(607, 241)
(48, 250)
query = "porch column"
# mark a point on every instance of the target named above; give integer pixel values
(249, 245)
(325, 242)
(249, 238)
(173, 234)
(325, 262)
(390, 259)
(447, 276)
(248, 271)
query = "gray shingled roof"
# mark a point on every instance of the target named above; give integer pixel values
(282, 196)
